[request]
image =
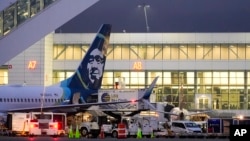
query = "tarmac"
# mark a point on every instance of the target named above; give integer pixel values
(47, 138)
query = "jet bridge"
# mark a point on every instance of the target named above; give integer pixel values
(25, 22)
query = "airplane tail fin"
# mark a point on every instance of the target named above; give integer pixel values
(90, 71)
(150, 89)
(148, 92)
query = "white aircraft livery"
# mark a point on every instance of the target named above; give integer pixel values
(85, 81)
(71, 93)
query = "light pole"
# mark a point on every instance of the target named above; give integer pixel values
(145, 14)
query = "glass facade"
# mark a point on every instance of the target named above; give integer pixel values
(19, 12)
(3, 75)
(159, 51)
(228, 89)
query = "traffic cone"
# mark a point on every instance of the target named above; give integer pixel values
(77, 134)
(71, 132)
(152, 134)
(102, 136)
(139, 134)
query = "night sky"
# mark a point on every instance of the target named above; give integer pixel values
(164, 16)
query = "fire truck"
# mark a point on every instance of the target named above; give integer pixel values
(37, 123)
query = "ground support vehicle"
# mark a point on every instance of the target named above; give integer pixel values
(89, 129)
(148, 125)
(36, 123)
(184, 127)
(117, 95)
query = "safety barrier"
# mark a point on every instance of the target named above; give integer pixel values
(121, 131)
(102, 135)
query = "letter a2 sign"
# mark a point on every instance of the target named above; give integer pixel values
(238, 132)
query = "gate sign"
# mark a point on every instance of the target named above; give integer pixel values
(32, 65)
(137, 65)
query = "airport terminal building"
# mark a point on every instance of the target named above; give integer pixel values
(211, 70)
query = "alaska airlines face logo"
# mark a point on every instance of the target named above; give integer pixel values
(105, 97)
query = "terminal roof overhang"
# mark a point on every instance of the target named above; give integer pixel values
(163, 16)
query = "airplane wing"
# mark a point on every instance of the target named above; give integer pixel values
(189, 114)
(170, 113)
(65, 107)
(199, 112)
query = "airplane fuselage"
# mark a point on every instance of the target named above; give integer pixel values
(18, 96)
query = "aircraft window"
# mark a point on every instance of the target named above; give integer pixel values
(0, 99)
(4, 100)
(14, 100)
(7, 100)
(28, 100)
(48, 100)
(39, 100)
(45, 99)
(21, 100)
(52, 100)
(17, 99)
(25, 100)
(11, 100)
(35, 100)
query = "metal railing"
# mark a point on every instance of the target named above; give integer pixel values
(18, 12)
